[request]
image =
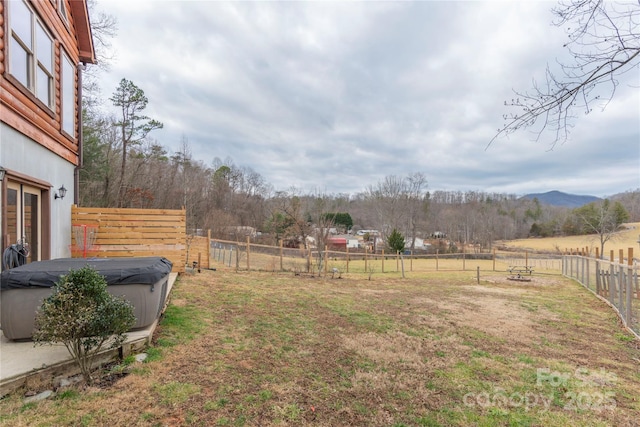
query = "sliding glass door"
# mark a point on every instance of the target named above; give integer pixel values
(24, 217)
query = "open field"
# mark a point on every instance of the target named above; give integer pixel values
(376, 264)
(623, 240)
(432, 349)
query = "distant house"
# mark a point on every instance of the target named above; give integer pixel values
(352, 242)
(341, 242)
(370, 232)
(419, 244)
(336, 242)
(43, 49)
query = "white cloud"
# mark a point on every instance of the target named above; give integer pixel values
(336, 95)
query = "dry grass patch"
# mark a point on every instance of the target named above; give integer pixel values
(439, 349)
(626, 238)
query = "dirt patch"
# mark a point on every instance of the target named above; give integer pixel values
(515, 286)
(267, 350)
(499, 317)
(502, 311)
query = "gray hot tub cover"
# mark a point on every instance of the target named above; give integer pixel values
(117, 271)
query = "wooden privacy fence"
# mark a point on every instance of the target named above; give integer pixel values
(123, 232)
(615, 282)
(199, 250)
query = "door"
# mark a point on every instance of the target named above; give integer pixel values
(24, 217)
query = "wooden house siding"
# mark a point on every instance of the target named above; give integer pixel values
(21, 108)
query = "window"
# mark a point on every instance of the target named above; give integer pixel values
(68, 96)
(62, 8)
(31, 52)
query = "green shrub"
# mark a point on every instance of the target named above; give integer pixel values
(82, 315)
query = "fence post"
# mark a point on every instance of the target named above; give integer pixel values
(248, 253)
(598, 279)
(622, 285)
(209, 248)
(382, 261)
(494, 260)
(612, 284)
(629, 308)
(347, 258)
(464, 259)
(571, 263)
(478, 274)
(365, 259)
(621, 256)
(326, 259)
(588, 270)
(281, 265)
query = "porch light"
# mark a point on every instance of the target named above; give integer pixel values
(3, 171)
(61, 193)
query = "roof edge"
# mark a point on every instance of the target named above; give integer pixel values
(80, 12)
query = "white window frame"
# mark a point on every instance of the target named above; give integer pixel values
(68, 94)
(62, 8)
(38, 76)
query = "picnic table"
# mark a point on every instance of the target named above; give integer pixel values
(517, 272)
(520, 270)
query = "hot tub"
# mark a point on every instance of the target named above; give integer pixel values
(141, 281)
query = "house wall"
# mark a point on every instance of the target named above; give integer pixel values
(21, 109)
(34, 148)
(353, 243)
(21, 154)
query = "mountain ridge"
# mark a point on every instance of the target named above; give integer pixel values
(558, 198)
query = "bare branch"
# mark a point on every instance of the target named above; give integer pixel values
(604, 43)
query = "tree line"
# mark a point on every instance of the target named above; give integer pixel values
(125, 167)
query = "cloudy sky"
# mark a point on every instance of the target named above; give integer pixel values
(334, 96)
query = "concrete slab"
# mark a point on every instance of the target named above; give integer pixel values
(21, 361)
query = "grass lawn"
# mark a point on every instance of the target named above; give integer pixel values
(432, 349)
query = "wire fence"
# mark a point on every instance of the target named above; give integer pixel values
(249, 256)
(614, 282)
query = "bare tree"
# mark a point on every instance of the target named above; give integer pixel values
(604, 43)
(289, 205)
(134, 126)
(417, 204)
(602, 218)
(103, 28)
(399, 203)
